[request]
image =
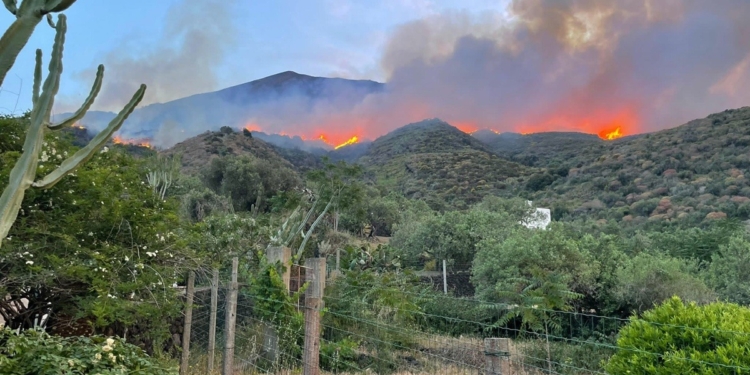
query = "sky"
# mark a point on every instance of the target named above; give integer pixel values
(596, 66)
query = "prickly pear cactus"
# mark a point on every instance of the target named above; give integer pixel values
(43, 96)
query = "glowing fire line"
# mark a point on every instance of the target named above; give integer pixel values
(350, 141)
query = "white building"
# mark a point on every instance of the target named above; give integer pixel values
(539, 219)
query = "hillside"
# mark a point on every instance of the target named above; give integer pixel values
(439, 163)
(198, 151)
(690, 174)
(266, 100)
(541, 149)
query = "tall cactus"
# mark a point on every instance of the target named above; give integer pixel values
(28, 15)
(23, 173)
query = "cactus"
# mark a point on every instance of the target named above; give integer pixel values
(28, 15)
(24, 171)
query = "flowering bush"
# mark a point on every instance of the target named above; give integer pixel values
(99, 245)
(35, 352)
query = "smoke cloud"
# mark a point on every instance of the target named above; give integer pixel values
(196, 37)
(539, 65)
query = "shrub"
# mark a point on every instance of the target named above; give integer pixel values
(675, 338)
(35, 352)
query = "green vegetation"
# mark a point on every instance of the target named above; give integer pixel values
(36, 352)
(679, 338)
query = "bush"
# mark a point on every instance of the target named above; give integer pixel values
(35, 352)
(675, 338)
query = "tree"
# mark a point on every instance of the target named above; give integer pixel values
(684, 338)
(23, 176)
(525, 250)
(727, 274)
(650, 278)
(535, 300)
(249, 182)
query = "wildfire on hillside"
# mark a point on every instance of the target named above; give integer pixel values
(350, 141)
(252, 127)
(610, 135)
(136, 142)
(78, 126)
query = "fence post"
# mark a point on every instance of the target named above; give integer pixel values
(445, 278)
(315, 271)
(497, 355)
(184, 363)
(281, 254)
(212, 321)
(230, 322)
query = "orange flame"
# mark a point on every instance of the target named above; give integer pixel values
(610, 135)
(323, 138)
(608, 125)
(350, 141)
(136, 142)
(78, 126)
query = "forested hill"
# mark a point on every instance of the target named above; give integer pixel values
(691, 173)
(434, 161)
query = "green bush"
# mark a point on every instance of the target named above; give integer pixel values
(678, 338)
(35, 352)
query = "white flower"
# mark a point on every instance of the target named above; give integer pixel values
(105, 149)
(71, 363)
(29, 262)
(93, 183)
(112, 357)
(107, 348)
(150, 254)
(110, 342)
(70, 191)
(98, 356)
(91, 234)
(126, 258)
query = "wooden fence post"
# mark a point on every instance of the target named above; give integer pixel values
(315, 271)
(212, 321)
(284, 255)
(497, 354)
(445, 278)
(230, 322)
(184, 363)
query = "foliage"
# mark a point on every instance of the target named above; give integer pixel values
(339, 356)
(680, 338)
(438, 163)
(650, 278)
(96, 246)
(223, 236)
(273, 305)
(728, 272)
(362, 304)
(248, 182)
(426, 238)
(35, 352)
(525, 251)
(687, 176)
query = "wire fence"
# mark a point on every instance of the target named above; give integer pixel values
(372, 337)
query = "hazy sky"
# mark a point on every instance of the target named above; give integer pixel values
(248, 40)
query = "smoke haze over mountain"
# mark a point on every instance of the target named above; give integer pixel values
(537, 65)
